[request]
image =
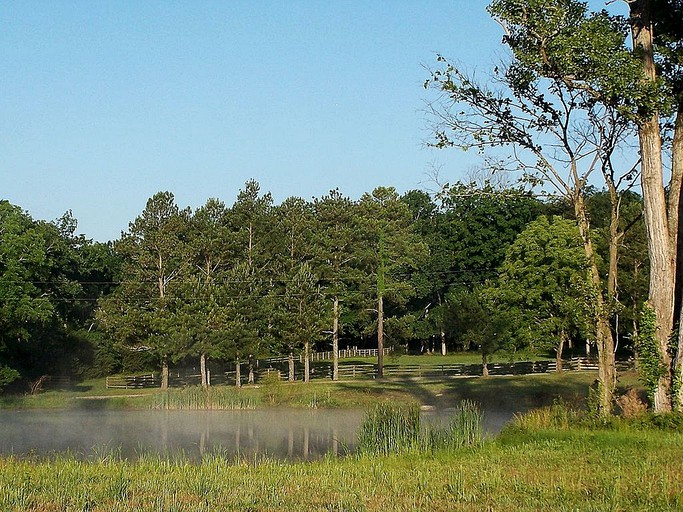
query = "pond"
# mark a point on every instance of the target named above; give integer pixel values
(287, 434)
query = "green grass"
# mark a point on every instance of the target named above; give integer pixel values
(397, 428)
(566, 469)
(507, 392)
(196, 398)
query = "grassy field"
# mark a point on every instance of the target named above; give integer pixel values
(551, 469)
(522, 392)
(545, 461)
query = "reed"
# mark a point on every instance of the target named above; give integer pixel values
(198, 398)
(463, 428)
(389, 429)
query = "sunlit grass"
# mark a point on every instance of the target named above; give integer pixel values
(506, 392)
(198, 398)
(391, 429)
(568, 469)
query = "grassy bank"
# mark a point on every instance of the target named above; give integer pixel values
(510, 392)
(551, 459)
(551, 469)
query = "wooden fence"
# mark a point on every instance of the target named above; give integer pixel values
(323, 370)
(327, 356)
(134, 381)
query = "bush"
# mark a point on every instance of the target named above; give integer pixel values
(272, 388)
(631, 405)
(7, 375)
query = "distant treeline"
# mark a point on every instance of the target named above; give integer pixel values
(472, 267)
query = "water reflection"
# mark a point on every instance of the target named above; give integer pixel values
(283, 434)
(288, 434)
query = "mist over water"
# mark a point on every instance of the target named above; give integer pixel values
(287, 434)
(282, 434)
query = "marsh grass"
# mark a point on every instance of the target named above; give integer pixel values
(391, 429)
(561, 416)
(198, 398)
(572, 469)
(464, 427)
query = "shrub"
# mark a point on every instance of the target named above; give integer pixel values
(631, 405)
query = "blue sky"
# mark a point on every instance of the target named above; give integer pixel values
(105, 103)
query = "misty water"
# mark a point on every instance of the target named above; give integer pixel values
(288, 434)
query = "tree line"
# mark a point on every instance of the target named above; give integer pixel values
(479, 267)
(585, 100)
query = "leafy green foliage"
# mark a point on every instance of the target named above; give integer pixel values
(650, 365)
(543, 283)
(7, 375)
(583, 50)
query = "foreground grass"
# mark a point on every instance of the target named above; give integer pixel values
(553, 469)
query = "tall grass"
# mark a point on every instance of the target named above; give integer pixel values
(390, 428)
(561, 416)
(576, 469)
(463, 428)
(198, 398)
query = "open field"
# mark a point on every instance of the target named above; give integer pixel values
(502, 391)
(573, 469)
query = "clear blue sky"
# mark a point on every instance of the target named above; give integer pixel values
(104, 103)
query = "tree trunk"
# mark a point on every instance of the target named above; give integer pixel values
(251, 370)
(558, 352)
(202, 370)
(164, 372)
(675, 208)
(484, 365)
(601, 312)
(335, 340)
(676, 189)
(307, 362)
(238, 373)
(291, 367)
(662, 283)
(613, 242)
(662, 265)
(380, 336)
(441, 329)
